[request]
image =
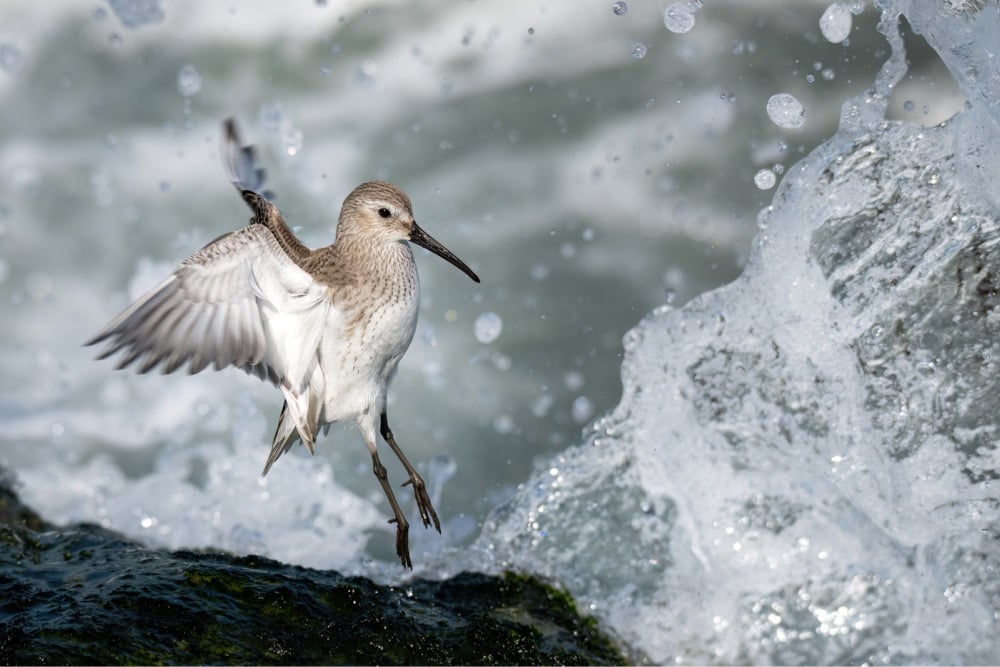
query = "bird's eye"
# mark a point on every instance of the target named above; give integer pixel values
(384, 212)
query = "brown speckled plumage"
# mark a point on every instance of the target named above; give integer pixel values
(327, 326)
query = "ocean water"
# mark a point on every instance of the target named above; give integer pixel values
(777, 482)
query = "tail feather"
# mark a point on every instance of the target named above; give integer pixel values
(298, 421)
(285, 436)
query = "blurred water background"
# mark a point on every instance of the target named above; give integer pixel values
(591, 161)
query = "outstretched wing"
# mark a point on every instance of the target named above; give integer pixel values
(239, 301)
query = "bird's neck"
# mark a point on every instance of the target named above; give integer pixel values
(359, 261)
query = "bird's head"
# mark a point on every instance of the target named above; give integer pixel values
(379, 212)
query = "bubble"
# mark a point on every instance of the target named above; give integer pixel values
(764, 179)
(582, 409)
(785, 111)
(188, 81)
(620, 8)
(835, 24)
(638, 50)
(487, 327)
(679, 17)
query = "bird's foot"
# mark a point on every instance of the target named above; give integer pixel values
(427, 512)
(402, 541)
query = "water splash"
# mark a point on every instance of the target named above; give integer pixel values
(802, 467)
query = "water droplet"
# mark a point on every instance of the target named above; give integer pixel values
(501, 362)
(908, 105)
(835, 24)
(856, 6)
(504, 424)
(932, 176)
(188, 81)
(574, 380)
(135, 13)
(540, 406)
(785, 111)
(638, 50)
(679, 17)
(11, 59)
(292, 140)
(487, 327)
(620, 8)
(764, 179)
(582, 409)
(539, 272)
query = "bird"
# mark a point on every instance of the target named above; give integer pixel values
(326, 326)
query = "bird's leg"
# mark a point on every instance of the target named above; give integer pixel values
(402, 526)
(427, 512)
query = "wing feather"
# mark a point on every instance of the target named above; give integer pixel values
(239, 301)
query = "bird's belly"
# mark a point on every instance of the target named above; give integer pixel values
(359, 365)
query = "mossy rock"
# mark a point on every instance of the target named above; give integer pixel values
(86, 595)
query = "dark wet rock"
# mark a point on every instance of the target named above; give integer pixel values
(83, 594)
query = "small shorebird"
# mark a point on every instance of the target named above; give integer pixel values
(326, 326)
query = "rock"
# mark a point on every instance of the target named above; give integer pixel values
(83, 594)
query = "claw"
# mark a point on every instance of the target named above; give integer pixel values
(403, 544)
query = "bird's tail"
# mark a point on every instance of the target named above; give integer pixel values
(285, 436)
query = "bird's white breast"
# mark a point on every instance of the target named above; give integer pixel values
(358, 362)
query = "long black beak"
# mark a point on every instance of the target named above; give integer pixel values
(425, 240)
